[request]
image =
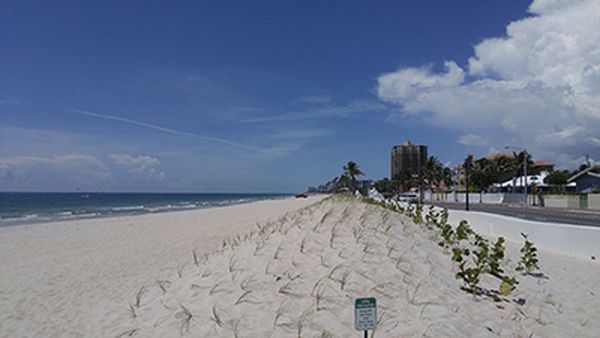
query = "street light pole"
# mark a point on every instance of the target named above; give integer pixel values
(467, 164)
(525, 177)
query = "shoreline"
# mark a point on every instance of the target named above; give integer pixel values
(124, 211)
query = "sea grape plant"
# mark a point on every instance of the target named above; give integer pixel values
(418, 215)
(470, 271)
(451, 237)
(484, 257)
(496, 257)
(463, 230)
(447, 236)
(529, 260)
(410, 210)
(443, 219)
(457, 254)
(470, 276)
(432, 216)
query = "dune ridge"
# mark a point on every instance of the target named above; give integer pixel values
(298, 276)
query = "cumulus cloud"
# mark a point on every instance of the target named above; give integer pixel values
(537, 86)
(143, 166)
(409, 82)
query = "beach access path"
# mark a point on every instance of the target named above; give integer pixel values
(69, 279)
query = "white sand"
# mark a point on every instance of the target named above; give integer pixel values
(298, 276)
(75, 279)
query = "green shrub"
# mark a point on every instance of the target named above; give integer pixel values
(470, 277)
(496, 257)
(529, 261)
(418, 215)
(447, 235)
(463, 230)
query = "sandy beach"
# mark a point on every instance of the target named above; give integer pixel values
(76, 278)
(284, 268)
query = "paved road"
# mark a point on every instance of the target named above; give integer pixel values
(555, 215)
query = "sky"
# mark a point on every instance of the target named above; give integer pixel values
(274, 96)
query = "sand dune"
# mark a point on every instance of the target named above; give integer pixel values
(299, 276)
(293, 274)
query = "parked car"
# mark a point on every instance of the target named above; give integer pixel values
(409, 197)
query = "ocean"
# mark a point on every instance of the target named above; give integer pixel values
(23, 208)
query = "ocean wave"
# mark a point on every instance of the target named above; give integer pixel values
(160, 208)
(19, 218)
(64, 213)
(128, 208)
(187, 206)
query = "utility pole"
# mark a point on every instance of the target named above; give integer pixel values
(525, 177)
(467, 165)
(421, 192)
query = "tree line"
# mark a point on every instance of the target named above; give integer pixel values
(437, 177)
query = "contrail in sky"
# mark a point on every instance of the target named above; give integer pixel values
(164, 129)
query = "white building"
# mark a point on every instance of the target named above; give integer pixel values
(532, 181)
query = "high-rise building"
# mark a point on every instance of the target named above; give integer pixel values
(408, 157)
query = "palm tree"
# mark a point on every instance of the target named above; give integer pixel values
(402, 181)
(432, 172)
(351, 170)
(481, 172)
(506, 166)
(447, 177)
(343, 182)
(520, 163)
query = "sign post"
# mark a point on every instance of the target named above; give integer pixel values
(365, 315)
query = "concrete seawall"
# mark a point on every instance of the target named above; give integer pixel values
(574, 240)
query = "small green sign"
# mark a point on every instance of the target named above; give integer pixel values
(365, 302)
(365, 314)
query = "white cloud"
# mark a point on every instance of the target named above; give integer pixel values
(43, 173)
(136, 163)
(143, 166)
(473, 140)
(537, 86)
(408, 82)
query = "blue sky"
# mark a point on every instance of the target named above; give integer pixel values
(273, 96)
